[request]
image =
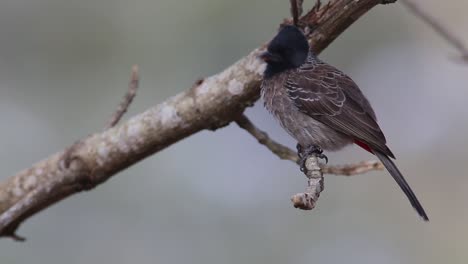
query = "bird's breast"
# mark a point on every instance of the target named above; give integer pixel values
(305, 129)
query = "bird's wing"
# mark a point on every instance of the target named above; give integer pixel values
(329, 96)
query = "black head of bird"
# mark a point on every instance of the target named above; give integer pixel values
(288, 50)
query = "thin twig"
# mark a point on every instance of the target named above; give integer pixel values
(296, 10)
(286, 153)
(353, 169)
(128, 98)
(449, 36)
(279, 150)
(317, 6)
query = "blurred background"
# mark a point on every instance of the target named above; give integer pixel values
(219, 197)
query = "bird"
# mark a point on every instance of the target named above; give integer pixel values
(321, 107)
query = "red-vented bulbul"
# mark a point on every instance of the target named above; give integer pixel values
(321, 107)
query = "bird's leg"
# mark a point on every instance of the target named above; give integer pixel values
(299, 150)
(304, 153)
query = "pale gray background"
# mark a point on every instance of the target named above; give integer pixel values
(220, 197)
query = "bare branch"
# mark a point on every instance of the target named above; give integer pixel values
(286, 153)
(296, 10)
(210, 104)
(353, 169)
(317, 6)
(17, 210)
(279, 150)
(128, 98)
(315, 184)
(314, 174)
(437, 26)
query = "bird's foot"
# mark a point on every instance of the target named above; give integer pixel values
(305, 153)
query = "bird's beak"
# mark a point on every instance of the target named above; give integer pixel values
(269, 57)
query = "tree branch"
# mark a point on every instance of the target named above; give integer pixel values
(210, 104)
(279, 150)
(314, 174)
(353, 169)
(286, 153)
(128, 98)
(437, 27)
(296, 10)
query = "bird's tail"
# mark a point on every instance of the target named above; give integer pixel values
(396, 174)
